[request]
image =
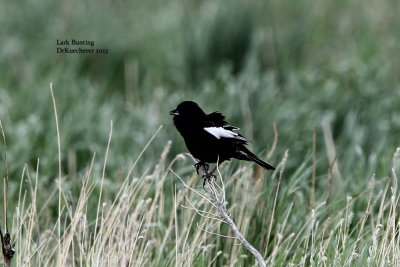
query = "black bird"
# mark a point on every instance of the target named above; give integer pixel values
(209, 138)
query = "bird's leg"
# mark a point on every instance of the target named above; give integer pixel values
(197, 166)
(204, 181)
(213, 170)
(206, 168)
(200, 164)
(208, 175)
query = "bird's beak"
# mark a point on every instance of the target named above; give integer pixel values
(174, 112)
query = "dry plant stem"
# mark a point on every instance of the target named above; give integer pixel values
(7, 248)
(102, 176)
(6, 245)
(216, 197)
(220, 204)
(331, 150)
(59, 171)
(275, 142)
(6, 177)
(314, 167)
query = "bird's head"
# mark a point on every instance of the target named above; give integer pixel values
(189, 110)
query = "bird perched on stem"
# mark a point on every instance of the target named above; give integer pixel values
(210, 139)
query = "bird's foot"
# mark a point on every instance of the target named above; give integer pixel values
(208, 177)
(206, 168)
(201, 164)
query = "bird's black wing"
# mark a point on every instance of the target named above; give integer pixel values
(216, 125)
(215, 119)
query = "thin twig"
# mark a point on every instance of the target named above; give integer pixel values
(194, 190)
(202, 213)
(220, 204)
(216, 197)
(212, 233)
(218, 253)
(34, 252)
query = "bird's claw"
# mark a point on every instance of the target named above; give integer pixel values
(208, 177)
(200, 164)
(206, 168)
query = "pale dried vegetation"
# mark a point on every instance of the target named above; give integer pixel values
(137, 227)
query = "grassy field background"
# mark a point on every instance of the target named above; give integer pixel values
(321, 78)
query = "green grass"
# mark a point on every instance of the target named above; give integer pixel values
(296, 65)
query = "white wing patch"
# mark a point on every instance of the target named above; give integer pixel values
(219, 132)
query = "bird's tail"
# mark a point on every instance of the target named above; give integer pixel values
(260, 162)
(250, 156)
